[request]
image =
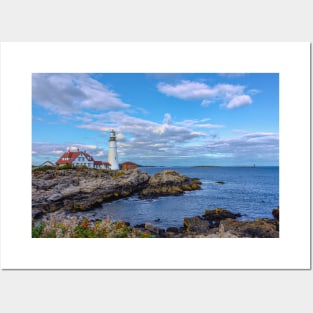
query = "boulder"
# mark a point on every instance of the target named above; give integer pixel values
(169, 182)
(275, 213)
(151, 228)
(195, 224)
(172, 230)
(215, 216)
(260, 228)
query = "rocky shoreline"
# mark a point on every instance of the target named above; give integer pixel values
(218, 223)
(63, 191)
(79, 189)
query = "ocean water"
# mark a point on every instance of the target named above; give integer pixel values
(253, 192)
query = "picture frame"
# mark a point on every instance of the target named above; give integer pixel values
(290, 251)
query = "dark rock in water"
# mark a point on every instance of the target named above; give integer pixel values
(162, 233)
(172, 230)
(220, 182)
(215, 216)
(139, 226)
(275, 213)
(196, 224)
(157, 220)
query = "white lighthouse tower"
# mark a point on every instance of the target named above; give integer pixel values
(113, 160)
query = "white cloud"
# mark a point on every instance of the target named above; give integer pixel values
(70, 93)
(92, 147)
(148, 142)
(231, 96)
(138, 136)
(206, 102)
(239, 101)
(187, 90)
(167, 118)
(99, 154)
(120, 137)
(257, 146)
(198, 124)
(177, 143)
(209, 125)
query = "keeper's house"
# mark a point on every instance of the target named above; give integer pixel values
(81, 158)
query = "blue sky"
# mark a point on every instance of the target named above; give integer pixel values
(160, 119)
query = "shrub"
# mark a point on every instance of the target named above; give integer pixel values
(74, 228)
(42, 168)
(37, 230)
(65, 167)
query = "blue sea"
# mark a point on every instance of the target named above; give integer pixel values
(253, 192)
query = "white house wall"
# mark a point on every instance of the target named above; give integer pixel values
(82, 160)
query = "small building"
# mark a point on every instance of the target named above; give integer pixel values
(77, 158)
(81, 158)
(102, 165)
(47, 163)
(128, 166)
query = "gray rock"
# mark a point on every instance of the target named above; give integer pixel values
(169, 182)
(82, 189)
(152, 228)
(196, 224)
(55, 197)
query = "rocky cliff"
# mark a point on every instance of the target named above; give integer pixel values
(82, 189)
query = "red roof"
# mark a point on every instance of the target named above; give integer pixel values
(88, 155)
(71, 156)
(102, 163)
